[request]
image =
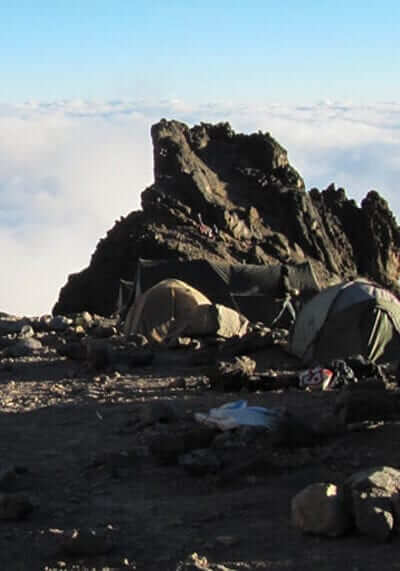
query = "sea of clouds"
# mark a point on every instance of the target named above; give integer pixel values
(69, 169)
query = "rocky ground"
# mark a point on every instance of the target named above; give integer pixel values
(103, 465)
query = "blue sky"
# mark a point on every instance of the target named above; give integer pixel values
(82, 81)
(287, 51)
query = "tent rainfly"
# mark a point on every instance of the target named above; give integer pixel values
(353, 318)
(172, 308)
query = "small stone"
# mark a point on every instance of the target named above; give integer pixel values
(196, 563)
(44, 322)
(178, 383)
(26, 332)
(138, 339)
(79, 330)
(84, 320)
(60, 323)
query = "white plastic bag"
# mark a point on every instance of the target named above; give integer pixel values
(237, 413)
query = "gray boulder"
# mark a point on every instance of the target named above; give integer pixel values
(375, 495)
(321, 509)
(232, 375)
(373, 513)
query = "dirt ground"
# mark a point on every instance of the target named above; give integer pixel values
(83, 455)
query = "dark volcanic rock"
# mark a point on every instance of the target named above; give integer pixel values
(232, 375)
(235, 198)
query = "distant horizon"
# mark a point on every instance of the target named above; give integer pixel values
(68, 170)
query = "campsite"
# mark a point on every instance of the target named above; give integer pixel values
(113, 460)
(219, 388)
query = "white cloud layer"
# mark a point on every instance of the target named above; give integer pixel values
(68, 169)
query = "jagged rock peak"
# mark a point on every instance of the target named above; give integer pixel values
(211, 164)
(176, 145)
(236, 198)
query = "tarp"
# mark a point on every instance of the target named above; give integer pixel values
(348, 319)
(250, 289)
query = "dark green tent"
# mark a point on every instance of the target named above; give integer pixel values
(347, 319)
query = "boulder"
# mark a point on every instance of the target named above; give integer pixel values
(386, 478)
(373, 513)
(376, 500)
(232, 375)
(321, 509)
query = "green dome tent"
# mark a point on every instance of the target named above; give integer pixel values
(353, 318)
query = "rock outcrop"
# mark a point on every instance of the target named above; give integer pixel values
(234, 197)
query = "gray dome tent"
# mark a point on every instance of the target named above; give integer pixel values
(350, 318)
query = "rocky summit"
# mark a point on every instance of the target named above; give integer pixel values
(235, 198)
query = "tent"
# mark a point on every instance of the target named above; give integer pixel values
(351, 318)
(163, 309)
(172, 308)
(250, 289)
